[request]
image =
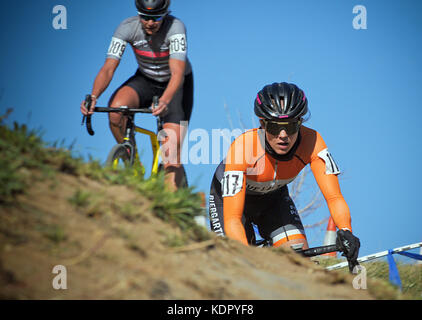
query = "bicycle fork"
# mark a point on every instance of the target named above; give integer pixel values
(129, 139)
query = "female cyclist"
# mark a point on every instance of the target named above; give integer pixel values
(250, 184)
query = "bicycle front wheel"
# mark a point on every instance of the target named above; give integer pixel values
(119, 156)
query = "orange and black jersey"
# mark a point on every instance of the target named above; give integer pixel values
(251, 170)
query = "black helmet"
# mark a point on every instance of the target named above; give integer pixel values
(152, 7)
(268, 102)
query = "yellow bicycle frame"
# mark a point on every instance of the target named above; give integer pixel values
(155, 152)
(155, 147)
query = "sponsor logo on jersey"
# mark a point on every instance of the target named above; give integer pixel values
(140, 43)
(267, 186)
(216, 225)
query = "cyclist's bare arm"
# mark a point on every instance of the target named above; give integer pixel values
(104, 76)
(101, 82)
(177, 69)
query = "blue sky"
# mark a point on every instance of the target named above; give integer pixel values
(362, 86)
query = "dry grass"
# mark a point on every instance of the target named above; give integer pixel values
(378, 278)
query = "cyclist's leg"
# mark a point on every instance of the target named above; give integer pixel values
(124, 96)
(281, 223)
(135, 92)
(171, 153)
(175, 126)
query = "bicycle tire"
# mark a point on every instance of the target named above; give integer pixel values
(118, 153)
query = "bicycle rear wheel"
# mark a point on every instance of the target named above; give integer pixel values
(119, 156)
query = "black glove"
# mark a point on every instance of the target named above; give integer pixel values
(349, 245)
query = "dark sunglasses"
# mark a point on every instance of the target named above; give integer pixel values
(153, 18)
(274, 127)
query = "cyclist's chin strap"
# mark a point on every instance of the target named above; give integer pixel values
(286, 157)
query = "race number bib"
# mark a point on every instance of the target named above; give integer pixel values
(117, 48)
(178, 43)
(330, 165)
(231, 183)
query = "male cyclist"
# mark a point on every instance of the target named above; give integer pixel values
(250, 185)
(158, 40)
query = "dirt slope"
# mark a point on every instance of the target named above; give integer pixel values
(112, 252)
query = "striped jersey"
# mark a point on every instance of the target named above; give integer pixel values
(152, 52)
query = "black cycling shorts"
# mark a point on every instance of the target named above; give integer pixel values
(179, 108)
(274, 214)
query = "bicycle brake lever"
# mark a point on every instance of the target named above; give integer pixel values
(155, 101)
(88, 101)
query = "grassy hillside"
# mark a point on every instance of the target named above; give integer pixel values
(122, 237)
(26, 159)
(378, 270)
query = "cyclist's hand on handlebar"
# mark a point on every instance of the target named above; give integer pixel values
(160, 109)
(84, 107)
(348, 244)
